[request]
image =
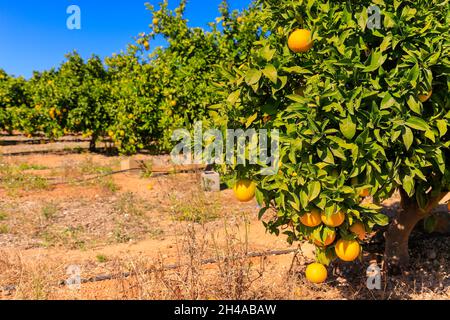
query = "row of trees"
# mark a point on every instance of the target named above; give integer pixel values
(135, 97)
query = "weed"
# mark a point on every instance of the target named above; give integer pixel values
(49, 211)
(156, 234)
(101, 258)
(4, 229)
(27, 166)
(120, 236)
(13, 180)
(90, 167)
(108, 184)
(3, 216)
(129, 204)
(198, 209)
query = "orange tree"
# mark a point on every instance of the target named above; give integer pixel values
(43, 114)
(13, 95)
(85, 87)
(185, 72)
(133, 107)
(361, 111)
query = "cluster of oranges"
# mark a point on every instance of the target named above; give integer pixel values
(346, 250)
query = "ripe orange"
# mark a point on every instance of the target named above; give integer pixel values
(334, 220)
(155, 21)
(311, 219)
(424, 98)
(330, 239)
(359, 229)
(316, 273)
(348, 250)
(239, 20)
(244, 190)
(300, 41)
(173, 103)
(365, 193)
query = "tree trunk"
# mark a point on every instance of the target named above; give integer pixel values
(397, 235)
(92, 146)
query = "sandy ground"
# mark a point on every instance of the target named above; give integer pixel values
(131, 222)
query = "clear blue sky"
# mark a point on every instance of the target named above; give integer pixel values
(34, 36)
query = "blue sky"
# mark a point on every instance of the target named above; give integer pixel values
(34, 36)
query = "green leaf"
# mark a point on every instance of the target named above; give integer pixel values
(304, 199)
(259, 197)
(414, 105)
(408, 185)
(267, 53)
(408, 138)
(370, 206)
(430, 135)
(251, 120)
(417, 123)
(388, 101)
(377, 59)
(314, 189)
(262, 212)
(380, 219)
(233, 97)
(442, 127)
(348, 128)
(414, 75)
(253, 76)
(297, 69)
(271, 73)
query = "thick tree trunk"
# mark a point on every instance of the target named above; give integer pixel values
(92, 143)
(397, 235)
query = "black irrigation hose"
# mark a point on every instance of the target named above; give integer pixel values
(125, 275)
(155, 174)
(93, 178)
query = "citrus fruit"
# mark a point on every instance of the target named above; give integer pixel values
(330, 239)
(424, 98)
(335, 220)
(244, 190)
(311, 219)
(300, 41)
(359, 229)
(155, 21)
(316, 273)
(347, 250)
(364, 193)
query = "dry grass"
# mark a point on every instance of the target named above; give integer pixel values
(199, 226)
